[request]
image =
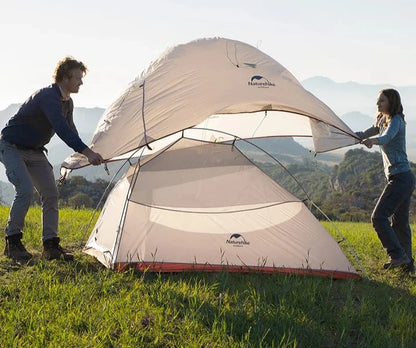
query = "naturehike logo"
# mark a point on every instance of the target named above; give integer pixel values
(260, 82)
(237, 240)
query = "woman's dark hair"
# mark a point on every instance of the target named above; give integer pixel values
(64, 67)
(395, 103)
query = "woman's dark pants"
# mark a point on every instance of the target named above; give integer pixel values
(394, 202)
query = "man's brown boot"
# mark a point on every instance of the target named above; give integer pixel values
(53, 251)
(15, 249)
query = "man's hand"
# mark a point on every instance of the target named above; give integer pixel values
(93, 157)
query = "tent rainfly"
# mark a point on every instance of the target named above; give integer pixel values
(220, 84)
(196, 202)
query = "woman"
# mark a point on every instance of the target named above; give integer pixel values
(394, 201)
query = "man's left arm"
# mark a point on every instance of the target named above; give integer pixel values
(70, 117)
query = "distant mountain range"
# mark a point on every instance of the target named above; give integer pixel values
(353, 102)
(86, 120)
(347, 97)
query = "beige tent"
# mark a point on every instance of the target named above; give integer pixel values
(205, 206)
(196, 202)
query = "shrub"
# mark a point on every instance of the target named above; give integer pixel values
(80, 200)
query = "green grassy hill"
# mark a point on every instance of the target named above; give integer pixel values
(83, 304)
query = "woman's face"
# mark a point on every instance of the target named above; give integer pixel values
(383, 104)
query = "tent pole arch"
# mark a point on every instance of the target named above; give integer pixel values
(188, 135)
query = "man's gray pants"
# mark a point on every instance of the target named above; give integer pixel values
(27, 169)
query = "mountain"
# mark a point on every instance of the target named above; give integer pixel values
(7, 113)
(285, 150)
(345, 192)
(357, 121)
(350, 96)
(6, 193)
(86, 120)
(353, 102)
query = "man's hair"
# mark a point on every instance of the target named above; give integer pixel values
(65, 66)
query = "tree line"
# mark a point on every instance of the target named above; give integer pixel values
(79, 193)
(345, 192)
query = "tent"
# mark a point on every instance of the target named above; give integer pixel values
(205, 206)
(195, 202)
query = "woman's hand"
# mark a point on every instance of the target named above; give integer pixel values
(370, 142)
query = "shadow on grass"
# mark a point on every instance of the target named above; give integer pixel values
(260, 309)
(308, 311)
(279, 310)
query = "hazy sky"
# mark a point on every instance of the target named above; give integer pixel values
(367, 41)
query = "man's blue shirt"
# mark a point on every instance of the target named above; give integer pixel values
(39, 118)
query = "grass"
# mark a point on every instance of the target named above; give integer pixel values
(83, 304)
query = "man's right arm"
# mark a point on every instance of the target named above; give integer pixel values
(93, 157)
(52, 108)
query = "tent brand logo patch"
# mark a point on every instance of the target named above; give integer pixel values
(260, 82)
(237, 240)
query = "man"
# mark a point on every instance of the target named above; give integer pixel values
(46, 112)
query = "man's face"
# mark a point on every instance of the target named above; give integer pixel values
(73, 83)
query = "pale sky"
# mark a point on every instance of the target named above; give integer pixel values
(367, 41)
